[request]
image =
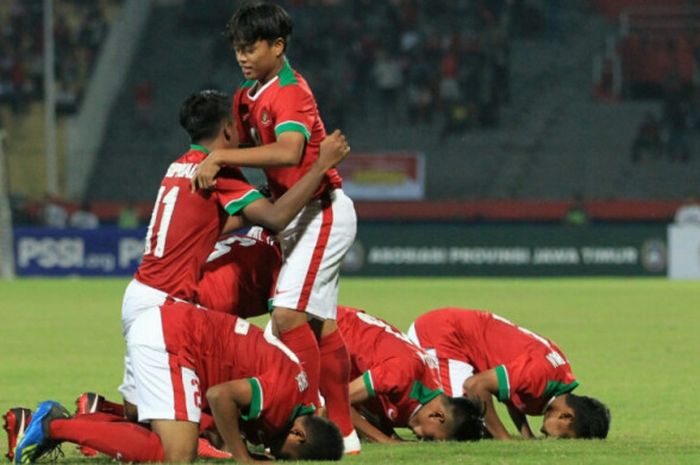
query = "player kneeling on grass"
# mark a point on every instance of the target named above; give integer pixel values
(395, 384)
(197, 360)
(481, 354)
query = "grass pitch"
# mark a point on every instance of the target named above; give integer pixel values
(633, 343)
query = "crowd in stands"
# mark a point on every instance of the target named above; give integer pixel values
(80, 27)
(400, 61)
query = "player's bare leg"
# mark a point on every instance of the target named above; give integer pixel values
(179, 439)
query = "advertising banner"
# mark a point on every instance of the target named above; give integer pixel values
(384, 176)
(107, 251)
(449, 249)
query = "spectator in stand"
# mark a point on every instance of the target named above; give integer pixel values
(577, 214)
(84, 218)
(128, 217)
(53, 213)
(388, 77)
(647, 142)
(143, 100)
(689, 212)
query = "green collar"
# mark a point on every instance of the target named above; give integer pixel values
(201, 148)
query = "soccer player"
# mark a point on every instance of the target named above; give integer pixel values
(185, 225)
(196, 360)
(396, 384)
(240, 274)
(277, 115)
(485, 355)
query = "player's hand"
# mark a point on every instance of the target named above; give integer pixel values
(334, 149)
(205, 175)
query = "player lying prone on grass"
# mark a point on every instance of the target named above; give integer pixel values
(198, 360)
(481, 354)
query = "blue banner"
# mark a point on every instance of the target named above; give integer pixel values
(107, 251)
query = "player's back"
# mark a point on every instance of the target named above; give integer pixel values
(285, 103)
(184, 226)
(240, 274)
(370, 340)
(482, 339)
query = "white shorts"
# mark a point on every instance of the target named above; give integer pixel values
(137, 299)
(164, 390)
(453, 373)
(313, 246)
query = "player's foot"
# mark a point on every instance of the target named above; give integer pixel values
(36, 441)
(88, 402)
(206, 450)
(352, 444)
(16, 421)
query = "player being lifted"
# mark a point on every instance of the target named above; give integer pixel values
(185, 225)
(276, 113)
(481, 354)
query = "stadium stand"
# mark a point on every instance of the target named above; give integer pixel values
(497, 95)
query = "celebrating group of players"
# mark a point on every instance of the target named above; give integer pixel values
(199, 379)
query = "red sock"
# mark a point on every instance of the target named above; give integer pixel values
(205, 422)
(335, 367)
(111, 435)
(112, 407)
(302, 342)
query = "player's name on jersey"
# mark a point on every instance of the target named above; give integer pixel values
(181, 170)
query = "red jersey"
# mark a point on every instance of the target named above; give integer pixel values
(184, 226)
(239, 277)
(531, 369)
(221, 348)
(397, 374)
(285, 103)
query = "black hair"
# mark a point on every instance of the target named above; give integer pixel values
(202, 114)
(467, 418)
(591, 417)
(259, 20)
(323, 440)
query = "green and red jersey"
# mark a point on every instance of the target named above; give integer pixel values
(284, 103)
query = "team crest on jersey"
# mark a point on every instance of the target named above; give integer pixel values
(302, 381)
(265, 118)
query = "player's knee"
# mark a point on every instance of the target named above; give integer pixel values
(131, 412)
(286, 319)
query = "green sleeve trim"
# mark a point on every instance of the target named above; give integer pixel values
(503, 383)
(234, 206)
(256, 403)
(557, 388)
(292, 126)
(422, 393)
(300, 410)
(369, 385)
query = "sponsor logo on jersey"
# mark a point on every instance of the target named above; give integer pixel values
(302, 381)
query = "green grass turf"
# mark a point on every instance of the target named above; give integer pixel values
(634, 343)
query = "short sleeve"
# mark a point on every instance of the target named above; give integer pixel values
(241, 112)
(534, 376)
(392, 376)
(295, 111)
(234, 192)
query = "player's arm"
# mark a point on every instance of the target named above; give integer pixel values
(359, 394)
(520, 421)
(485, 386)
(276, 216)
(286, 151)
(227, 400)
